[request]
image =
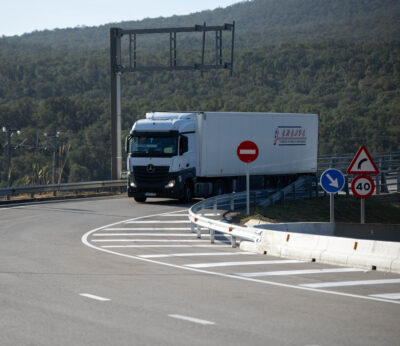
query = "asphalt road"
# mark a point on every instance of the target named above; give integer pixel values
(108, 271)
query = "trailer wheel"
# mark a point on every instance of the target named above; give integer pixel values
(140, 199)
(187, 193)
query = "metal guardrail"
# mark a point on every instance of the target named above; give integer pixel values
(304, 187)
(299, 188)
(74, 187)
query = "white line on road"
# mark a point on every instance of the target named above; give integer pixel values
(155, 240)
(352, 283)
(192, 319)
(149, 229)
(386, 296)
(87, 295)
(85, 241)
(193, 254)
(163, 246)
(244, 263)
(153, 235)
(159, 221)
(300, 272)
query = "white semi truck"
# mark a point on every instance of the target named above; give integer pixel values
(193, 154)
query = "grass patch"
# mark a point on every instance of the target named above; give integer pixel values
(347, 209)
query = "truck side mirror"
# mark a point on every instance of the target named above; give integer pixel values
(183, 145)
(127, 140)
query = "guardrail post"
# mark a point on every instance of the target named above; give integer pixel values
(212, 236)
(232, 203)
(215, 206)
(198, 232)
(233, 241)
(192, 227)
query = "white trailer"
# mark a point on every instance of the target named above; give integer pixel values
(190, 154)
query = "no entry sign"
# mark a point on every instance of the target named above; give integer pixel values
(247, 151)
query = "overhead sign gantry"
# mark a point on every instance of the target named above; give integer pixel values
(118, 68)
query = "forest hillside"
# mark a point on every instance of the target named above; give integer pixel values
(340, 59)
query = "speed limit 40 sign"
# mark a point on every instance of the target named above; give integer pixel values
(362, 186)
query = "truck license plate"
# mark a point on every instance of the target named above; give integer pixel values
(150, 194)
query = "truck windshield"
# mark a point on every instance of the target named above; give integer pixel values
(153, 146)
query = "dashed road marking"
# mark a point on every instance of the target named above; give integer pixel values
(352, 283)
(300, 272)
(195, 254)
(386, 295)
(155, 240)
(192, 319)
(185, 235)
(244, 263)
(91, 296)
(157, 221)
(85, 240)
(148, 229)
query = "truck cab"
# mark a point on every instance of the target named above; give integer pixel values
(161, 158)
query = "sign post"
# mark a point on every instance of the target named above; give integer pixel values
(362, 185)
(332, 181)
(247, 152)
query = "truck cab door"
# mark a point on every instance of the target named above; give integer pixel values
(186, 155)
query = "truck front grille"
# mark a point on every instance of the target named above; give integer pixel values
(150, 174)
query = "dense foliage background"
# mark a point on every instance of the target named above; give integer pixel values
(340, 59)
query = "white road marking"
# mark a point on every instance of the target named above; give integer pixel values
(244, 263)
(161, 246)
(87, 295)
(174, 215)
(195, 254)
(156, 240)
(154, 235)
(300, 272)
(159, 221)
(149, 229)
(386, 295)
(192, 319)
(86, 242)
(352, 283)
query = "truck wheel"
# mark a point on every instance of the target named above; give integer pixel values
(187, 193)
(140, 199)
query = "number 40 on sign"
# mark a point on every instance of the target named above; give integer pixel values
(363, 186)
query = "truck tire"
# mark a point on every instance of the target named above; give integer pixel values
(140, 199)
(187, 193)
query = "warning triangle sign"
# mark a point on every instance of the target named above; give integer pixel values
(362, 163)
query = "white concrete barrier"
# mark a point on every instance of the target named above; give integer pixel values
(362, 253)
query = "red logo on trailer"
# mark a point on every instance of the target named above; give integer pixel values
(247, 151)
(362, 163)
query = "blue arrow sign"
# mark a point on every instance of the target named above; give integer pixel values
(332, 180)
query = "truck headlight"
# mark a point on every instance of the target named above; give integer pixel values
(170, 184)
(132, 183)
